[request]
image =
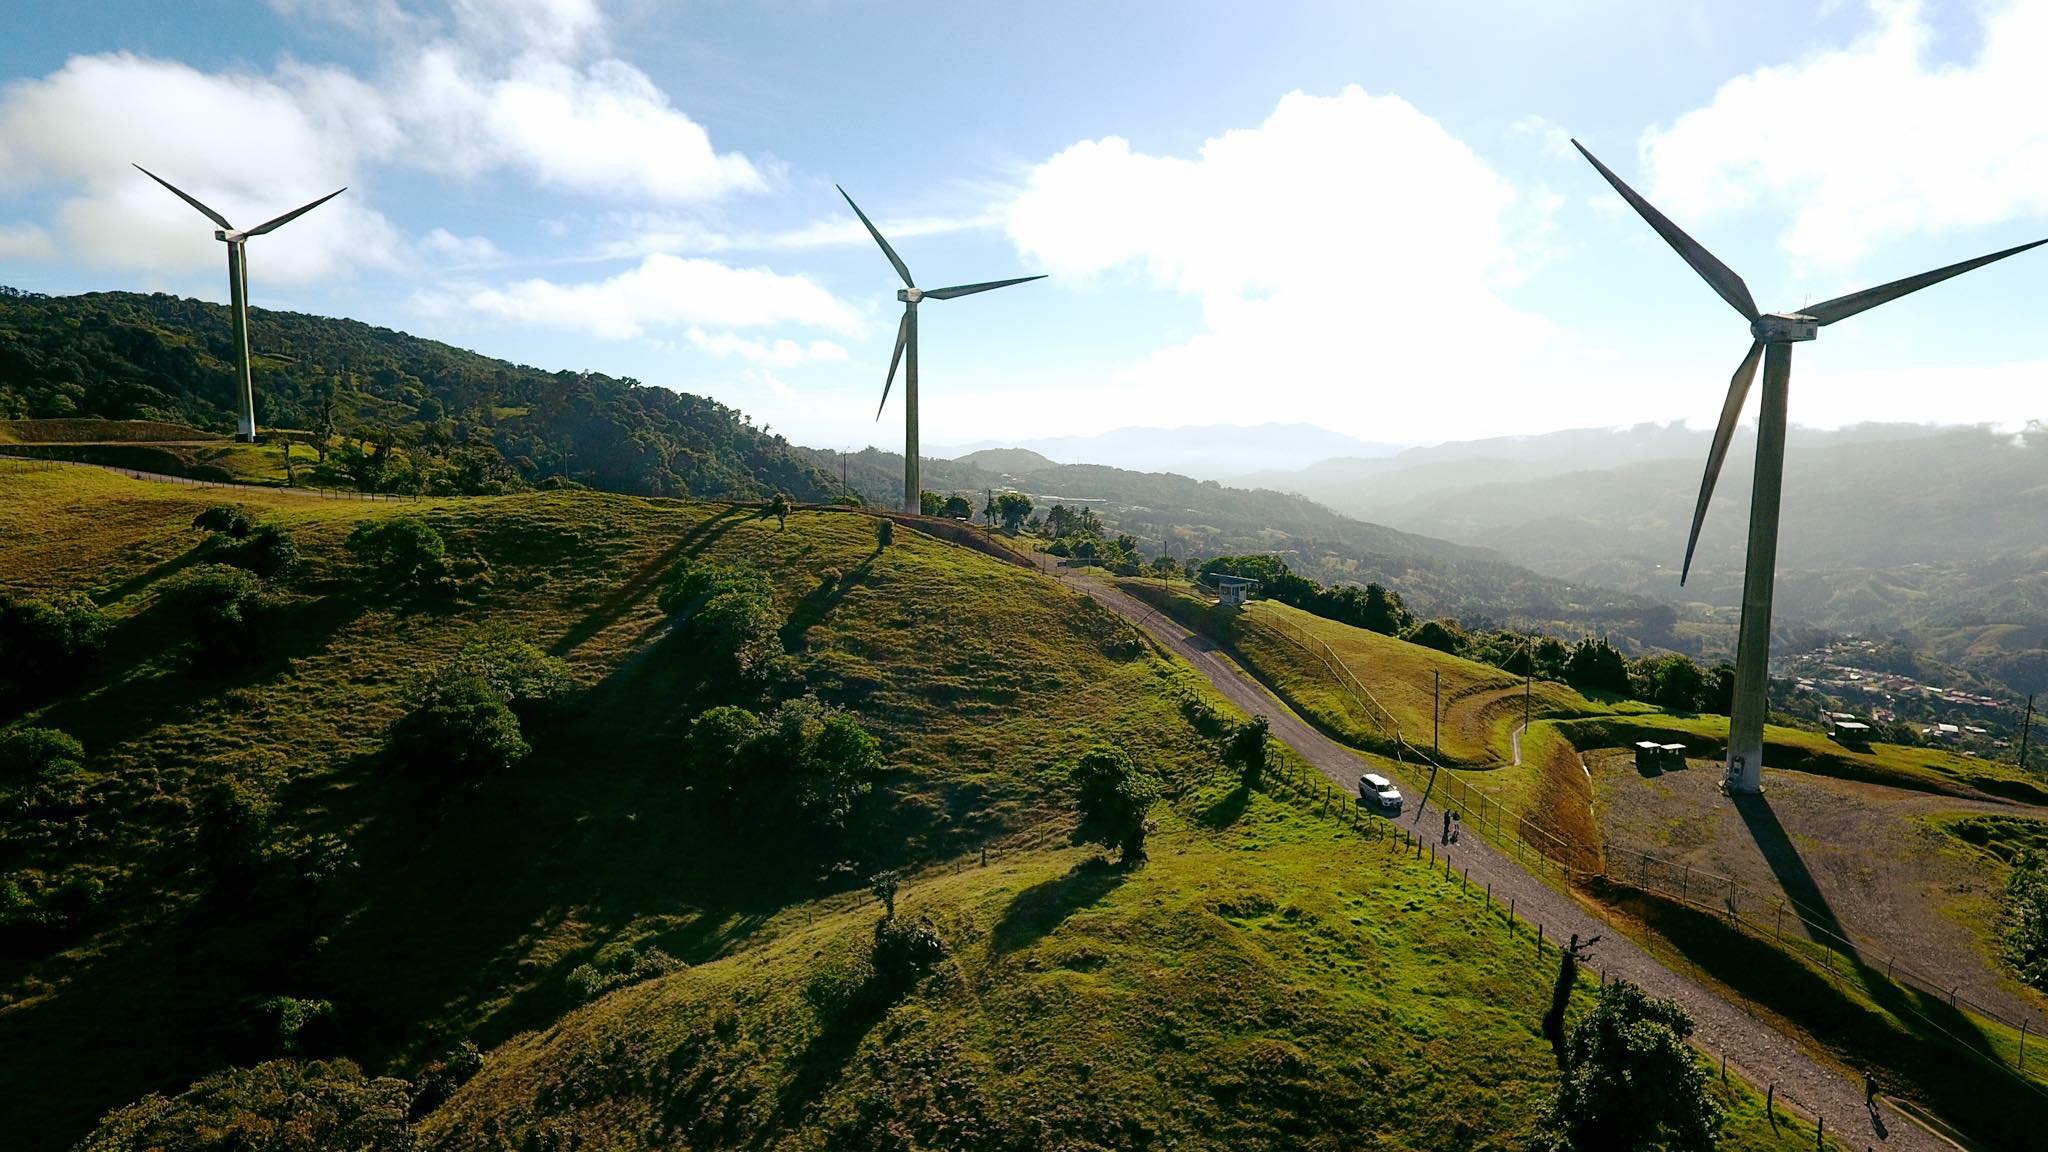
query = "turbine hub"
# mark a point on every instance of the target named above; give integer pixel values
(229, 237)
(1784, 328)
(910, 295)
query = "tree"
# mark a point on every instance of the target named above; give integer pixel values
(1671, 682)
(224, 519)
(930, 503)
(885, 532)
(1114, 797)
(779, 508)
(1246, 751)
(804, 764)
(49, 643)
(224, 606)
(884, 885)
(403, 551)
(1165, 567)
(267, 550)
(1013, 508)
(1631, 1082)
(38, 753)
(740, 629)
(281, 1106)
(230, 830)
(1442, 635)
(1596, 664)
(1383, 611)
(1718, 695)
(956, 507)
(2025, 908)
(460, 728)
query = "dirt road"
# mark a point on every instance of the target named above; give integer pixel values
(1761, 1054)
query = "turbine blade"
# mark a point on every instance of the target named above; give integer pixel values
(294, 214)
(902, 337)
(1843, 307)
(894, 259)
(971, 289)
(1717, 275)
(209, 213)
(1731, 410)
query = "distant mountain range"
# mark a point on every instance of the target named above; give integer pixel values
(1202, 451)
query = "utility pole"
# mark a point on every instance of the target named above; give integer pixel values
(1528, 688)
(2026, 729)
(842, 472)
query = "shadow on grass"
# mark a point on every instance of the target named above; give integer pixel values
(1226, 811)
(820, 602)
(611, 608)
(1039, 909)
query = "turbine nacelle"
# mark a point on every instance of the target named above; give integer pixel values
(910, 295)
(1784, 328)
(235, 237)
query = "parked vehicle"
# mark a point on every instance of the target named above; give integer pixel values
(1379, 792)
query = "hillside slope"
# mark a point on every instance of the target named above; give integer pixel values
(1229, 993)
(128, 356)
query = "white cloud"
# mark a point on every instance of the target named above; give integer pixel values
(666, 232)
(490, 85)
(1872, 142)
(1348, 256)
(783, 353)
(25, 242)
(668, 292)
(454, 249)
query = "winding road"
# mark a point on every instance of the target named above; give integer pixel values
(1760, 1053)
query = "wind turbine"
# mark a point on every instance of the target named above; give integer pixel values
(1771, 336)
(906, 338)
(238, 290)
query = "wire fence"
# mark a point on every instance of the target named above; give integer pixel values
(1763, 915)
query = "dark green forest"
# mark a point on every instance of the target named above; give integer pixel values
(368, 391)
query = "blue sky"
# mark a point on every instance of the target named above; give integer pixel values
(1358, 215)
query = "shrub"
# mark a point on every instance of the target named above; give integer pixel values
(38, 753)
(226, 519)
(461, 727)
(267, 550)
(231, 829)
(224, 607)
(1114, 798)
(404, 551)
(522, 675)
(1246, 751)
(885, 532)
(439, 1079)
(803, 763)
(2025, 908)
(288, 1024)
(905, 952)
(616, 965)
(281, 1106)
(1631, 1081)
(1595, 664)
(48, 643)
(740, 630)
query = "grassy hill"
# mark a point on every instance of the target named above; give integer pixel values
(1228, 994)
(414, 409)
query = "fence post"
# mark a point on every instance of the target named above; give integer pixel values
(1771, 1105)
(2023, 1045)
(1820, 1136)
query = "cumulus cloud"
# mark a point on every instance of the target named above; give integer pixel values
(783, 353)
(453, 249)
(25, 242)
(668, 292)
(478, 87)
(1871, 142)
(648, 232)
(1348, 255)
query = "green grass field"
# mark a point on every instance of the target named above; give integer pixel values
(1267, 980)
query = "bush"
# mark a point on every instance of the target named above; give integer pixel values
(404, 551)
(38, 753)
(617, 965)
(885, 532)
(282, 1106)
(49, 643)
(224, 607)
(522, 675)
(1595, 664)
(267, 550)
(289, 1025)
(905, 952)
(1246, 751)
(226, 519)
(1114, 798)
(461, 727)
(2025, 909)
(439, 1079)
(1631, 1081)
(803, 763)
(231, 829)
(1442, 635)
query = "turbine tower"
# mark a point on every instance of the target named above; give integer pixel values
(906, 338)
(238, 291)
(1771, 337)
